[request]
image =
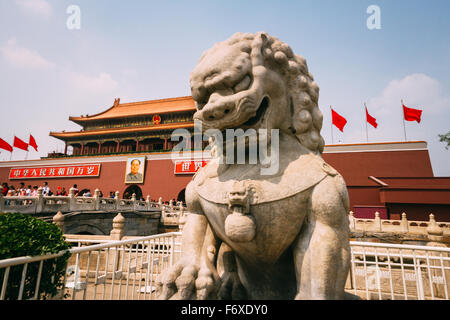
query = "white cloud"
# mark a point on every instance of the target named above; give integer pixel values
(417, 91)
(23, 57)
(35, 7)
(98, 83)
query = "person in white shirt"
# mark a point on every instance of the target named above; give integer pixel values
(45, 189)
(75, 190)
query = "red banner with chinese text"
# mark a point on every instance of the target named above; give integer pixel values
(189, 166)
(71, 171)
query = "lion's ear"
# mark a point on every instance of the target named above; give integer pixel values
(264, 37)
(257, 47)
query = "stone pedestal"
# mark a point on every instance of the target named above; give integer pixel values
(118, 225)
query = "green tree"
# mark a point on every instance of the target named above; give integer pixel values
(445, 138)
(24, 235)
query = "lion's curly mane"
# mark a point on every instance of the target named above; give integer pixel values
(272, 53)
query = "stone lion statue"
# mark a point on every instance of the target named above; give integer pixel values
(254, 236)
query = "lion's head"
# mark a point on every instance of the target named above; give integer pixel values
(256, 81)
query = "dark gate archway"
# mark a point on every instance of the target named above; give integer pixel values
(132, 189)
(181, 197)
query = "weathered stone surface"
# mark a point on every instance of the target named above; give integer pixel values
(249, 235)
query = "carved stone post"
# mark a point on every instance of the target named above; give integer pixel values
(148, 202)
(171, 204)
(118, 225)
(436, 235)
(404, 224)
(72, 199)
(116, 197)
(163, 214)
(40, 201)
(351, 221)
(377, 222)
(160, 202)
(97, 199)
(58, 219)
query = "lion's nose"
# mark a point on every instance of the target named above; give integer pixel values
(216, 108)
(216, 113)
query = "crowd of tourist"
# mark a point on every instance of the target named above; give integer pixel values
(22, 190)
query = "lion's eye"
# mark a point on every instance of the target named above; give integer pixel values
(243, 84)
(202, 101)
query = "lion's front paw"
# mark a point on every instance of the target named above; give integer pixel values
(184, 281)
(177, 282)
(205, 284)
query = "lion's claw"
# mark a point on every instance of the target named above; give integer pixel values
(185, 282)
(204, 284)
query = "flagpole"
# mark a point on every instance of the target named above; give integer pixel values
(10, 157)
(404, 126)
(367, 134)
(332, 140)
(13, 145)
(26, 154)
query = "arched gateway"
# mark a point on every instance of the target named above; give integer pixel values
(132, 189)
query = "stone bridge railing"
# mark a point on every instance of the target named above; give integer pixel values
(402, 226)
(41, 204)
(117, 232)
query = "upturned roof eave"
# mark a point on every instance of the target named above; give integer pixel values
(78, 134)
(80, 120)
(103, 115)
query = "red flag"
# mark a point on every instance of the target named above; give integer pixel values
(412, 114)
(5, 145)
(32, 143)
(371, 119)
(20, 144)
(338, 120)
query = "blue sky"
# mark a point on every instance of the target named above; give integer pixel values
(141, 50)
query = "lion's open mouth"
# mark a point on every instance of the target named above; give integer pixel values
(259, 113)
(251, 122)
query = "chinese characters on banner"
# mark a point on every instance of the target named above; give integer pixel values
(85, 170)
(189, 166)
